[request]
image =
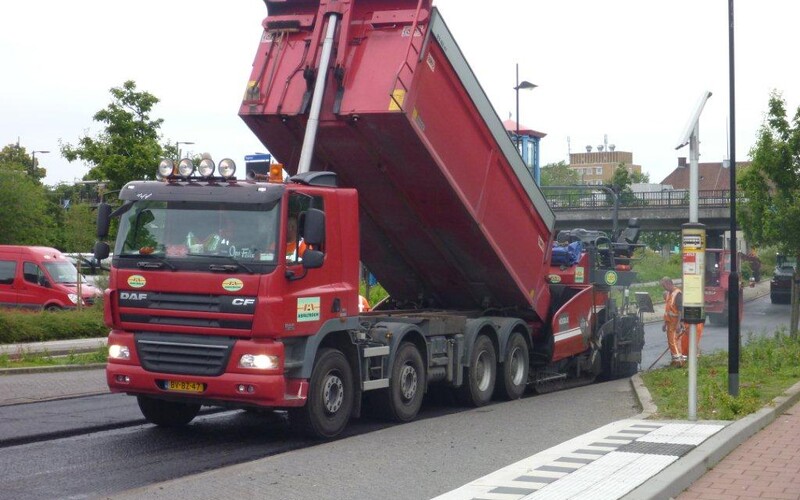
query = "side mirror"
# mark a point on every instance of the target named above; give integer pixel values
(313, 259)
(101, 251)
(313, 227)
(103, 220)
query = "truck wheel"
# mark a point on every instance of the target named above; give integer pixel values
(480, 379)
(330, 397)
(403, 399)
(514, 376)
(167, 413)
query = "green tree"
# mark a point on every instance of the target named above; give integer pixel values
(129, 146)
(658, 240)
(16, 158)
(621, 183)
(24, 216)
(559, 174)
(79, 228)
(769, 212)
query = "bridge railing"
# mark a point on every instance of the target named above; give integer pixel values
(566, 200)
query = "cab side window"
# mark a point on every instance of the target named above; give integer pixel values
(32, 273)
(8, 269)
(295, 246)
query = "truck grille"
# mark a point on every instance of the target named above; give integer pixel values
(183, 354)
(213, 309)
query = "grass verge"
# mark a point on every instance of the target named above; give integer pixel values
(42, 359)
(767, 367)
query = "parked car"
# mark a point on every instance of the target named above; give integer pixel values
(41, 278)
(780, 287)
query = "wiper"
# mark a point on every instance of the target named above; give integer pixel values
(160, 262)
(229, 268)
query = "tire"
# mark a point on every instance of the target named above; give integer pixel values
(481, 373)
(403, 399)
(330, 397)
(513, 378)
(167, 413)
(52, 308)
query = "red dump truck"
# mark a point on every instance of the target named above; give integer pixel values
(210, 302)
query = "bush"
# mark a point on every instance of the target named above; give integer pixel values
(28, 326)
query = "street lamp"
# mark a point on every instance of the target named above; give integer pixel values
(178, 147)
(524, 85)
(33, 161)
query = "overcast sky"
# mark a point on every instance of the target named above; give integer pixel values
(629, 69)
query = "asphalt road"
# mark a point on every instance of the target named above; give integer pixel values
(446, 447)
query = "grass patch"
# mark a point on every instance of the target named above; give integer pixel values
(651, 266)
(767, 367)
(39, 359)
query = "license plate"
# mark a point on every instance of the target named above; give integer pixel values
(178, 385)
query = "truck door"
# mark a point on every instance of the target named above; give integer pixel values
(8, 292)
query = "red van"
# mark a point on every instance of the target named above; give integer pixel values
(40, 278)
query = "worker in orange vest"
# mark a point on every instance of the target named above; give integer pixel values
(685, 337)
(363, 304)
(672, 319)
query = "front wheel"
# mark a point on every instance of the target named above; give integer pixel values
(330, 397)
(514, 376)
(167, 413)
(479, 384)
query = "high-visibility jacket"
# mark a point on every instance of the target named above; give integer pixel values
(671, 312)
(363, 304)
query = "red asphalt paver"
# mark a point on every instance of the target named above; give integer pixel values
(765, 466)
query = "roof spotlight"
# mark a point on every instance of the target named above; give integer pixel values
(227, 168)
(185, 167)
(206, 167)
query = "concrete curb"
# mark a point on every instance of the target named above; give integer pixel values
(645, 399)
(50, 369)
(685, 471)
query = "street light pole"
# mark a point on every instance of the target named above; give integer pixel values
(178, 147)
(525, 85)
(33, 162)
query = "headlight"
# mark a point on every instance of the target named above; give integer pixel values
(119, 352)
(206, 167)
(166, 167)
(185, 167)
(227, 168)
(73, 297)
(259, 361)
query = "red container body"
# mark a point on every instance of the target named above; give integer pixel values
(449, 214)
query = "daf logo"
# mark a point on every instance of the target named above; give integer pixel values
(243, 302)
(132, 296)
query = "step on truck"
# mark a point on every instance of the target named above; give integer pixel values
(244, 293)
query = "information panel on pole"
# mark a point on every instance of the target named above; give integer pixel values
(693, 253)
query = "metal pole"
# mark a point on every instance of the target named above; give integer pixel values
(516, 88)
(310, 138)
(694, 183)
(733, 279)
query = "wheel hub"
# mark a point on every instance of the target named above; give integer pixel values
(408, 382)
(483, 371)
(333, 393)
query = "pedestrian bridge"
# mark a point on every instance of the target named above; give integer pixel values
(656, 211)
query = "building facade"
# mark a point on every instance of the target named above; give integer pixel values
(597, 167)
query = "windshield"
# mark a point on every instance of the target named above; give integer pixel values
(63, 272)
(182, 230)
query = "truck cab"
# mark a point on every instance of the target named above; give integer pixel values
(718, 270)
